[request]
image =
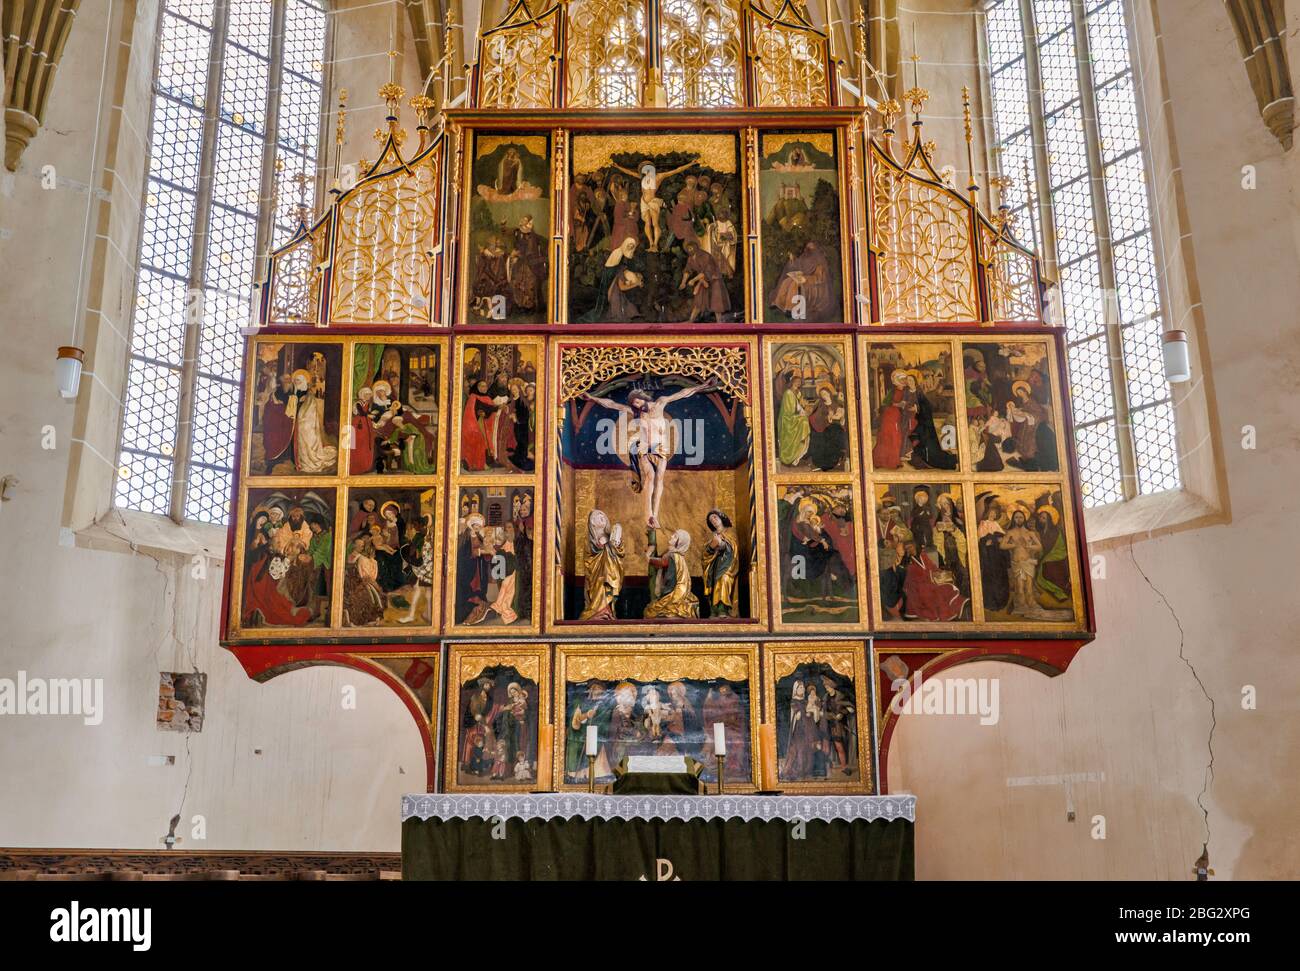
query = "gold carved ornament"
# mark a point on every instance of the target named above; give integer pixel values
(606, 53)
(517, 62)
(922, 239)
(1013, 285)
(840, 662)
(385, 232)
(656, 667)
(296, 278)
(584, 368)
(789, 56)
(472, 666)
(702, 52)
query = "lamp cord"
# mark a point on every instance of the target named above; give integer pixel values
(91, 178)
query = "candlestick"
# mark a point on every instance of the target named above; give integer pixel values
(719, 739)
(722, 770)
(591, 773)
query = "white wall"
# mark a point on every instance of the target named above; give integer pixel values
(326, 778)
(1129, 706)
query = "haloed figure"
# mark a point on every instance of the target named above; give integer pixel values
(604, 567)
(721, 565)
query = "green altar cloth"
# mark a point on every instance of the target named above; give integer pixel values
(571, 837)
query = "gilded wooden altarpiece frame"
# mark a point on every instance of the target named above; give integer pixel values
(467, 660)
(603, 357)
(970, 481)
(341, 483)
(460, 479)
(848, 659)
(612, 663)
(779, 476)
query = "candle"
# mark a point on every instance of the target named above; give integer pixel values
(767, 755)
(591, 739)
(719, 739)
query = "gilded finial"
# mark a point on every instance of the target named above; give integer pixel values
(892, 109)
(423, 105)
(399, 135)
(340, 125)
(392, 94)
(972, 186)
(916, 97)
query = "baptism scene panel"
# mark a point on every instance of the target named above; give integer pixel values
(398, 409)
(922, 554)
(497, 394)
(654, 229)
(293, 408)
(817, 696)
(497, 699)
(1012, 415)
(391, 559)
(819, 557)
(642, 701)
(812, 406)
(493, 577)
(285, 549)
(657, 510)
(509, 216)
(798, 192)
(1028, 561)
(912, 405)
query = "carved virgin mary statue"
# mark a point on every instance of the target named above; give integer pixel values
(604, 567)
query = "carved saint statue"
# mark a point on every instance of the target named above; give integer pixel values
(604, 567)
(674, 588)
(721, 565)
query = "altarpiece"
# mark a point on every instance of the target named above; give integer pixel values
(663, 384)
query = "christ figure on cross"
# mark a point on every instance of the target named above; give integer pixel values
(650, 438)
(651, 204)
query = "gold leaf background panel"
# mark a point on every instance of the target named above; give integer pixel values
(592, 152)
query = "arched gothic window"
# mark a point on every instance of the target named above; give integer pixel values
(1066, 119)
(232, 156)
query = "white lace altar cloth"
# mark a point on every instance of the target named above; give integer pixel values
(572, 805)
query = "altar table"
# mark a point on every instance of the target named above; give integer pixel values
(579, 836)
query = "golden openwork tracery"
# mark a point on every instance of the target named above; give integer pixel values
(922, 238)
(517, 59)
(1011, 276)
(384, 240)
(790, 59)
(702, 54)
(606, 53)
(584, 368)
(295, 295)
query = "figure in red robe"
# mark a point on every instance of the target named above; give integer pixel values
(930, 594)
(478, 428)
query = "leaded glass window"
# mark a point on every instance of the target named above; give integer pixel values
(232, 155)
(1100, 214)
